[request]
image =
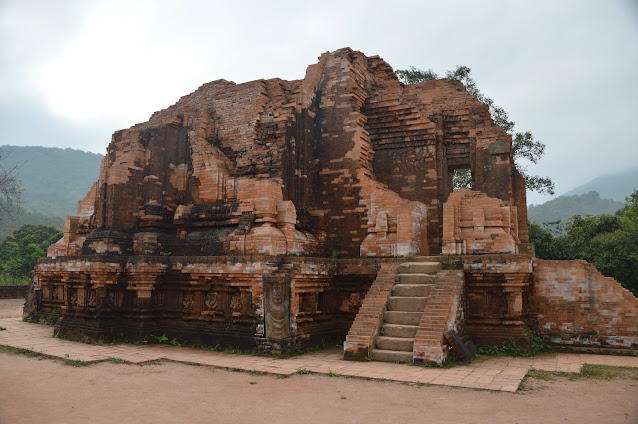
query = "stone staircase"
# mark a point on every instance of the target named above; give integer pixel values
(404, 310)
(440, 313)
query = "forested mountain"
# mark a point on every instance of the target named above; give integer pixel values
(616, 186)
(19, 217)
(52, 179)
(564, 207)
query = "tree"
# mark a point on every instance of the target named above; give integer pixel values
(20, 251)
(546, 245)
(523, 143)
(10, 190)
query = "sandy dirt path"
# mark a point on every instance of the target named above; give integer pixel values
(34, 390)
(37, 390)
(10, 308)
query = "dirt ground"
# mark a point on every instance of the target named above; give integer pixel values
(11, 308)
(37, 390)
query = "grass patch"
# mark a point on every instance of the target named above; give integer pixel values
(36, 321)
(237, 351)
(2, 328)
(607, 372)
(19, 351)
(76, 363)
(153, 362)
(549, 375)
(588, 372)
(8, 280)
(161, 339)
(537, 345)
(302, 371)
(117, 361)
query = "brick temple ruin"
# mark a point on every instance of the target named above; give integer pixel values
(276, 214)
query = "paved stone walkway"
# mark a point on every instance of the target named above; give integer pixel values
(494, 373)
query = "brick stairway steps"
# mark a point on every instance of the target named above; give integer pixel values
(392, 356)
(400, 317)
(394, 343)
(399, 330)
(406, 304)
(404, 310)
(416, 278)
(423, 259)
(419, 267)
(416, 290)
(429, 341)
(367, 323)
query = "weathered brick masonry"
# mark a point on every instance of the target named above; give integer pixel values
(227, 217)
(576, 305)
(13, 292)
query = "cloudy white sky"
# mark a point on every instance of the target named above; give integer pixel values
(73, 72)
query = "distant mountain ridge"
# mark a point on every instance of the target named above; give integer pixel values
(564, 207)
(53, 179)
(616, 186)
(20, 216)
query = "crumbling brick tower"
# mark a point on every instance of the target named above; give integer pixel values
(259, 214)
(324, 163)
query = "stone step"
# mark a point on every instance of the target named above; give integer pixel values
(399, 317)
(399, 330)
(417, 290)
(394, 343)
(419, 267)
(392, 356)
(406, 304)
(423, 259)
(416, 278)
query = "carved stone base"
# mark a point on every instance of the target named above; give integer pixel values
(240, 302)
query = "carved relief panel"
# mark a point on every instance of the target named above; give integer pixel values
(276, 307)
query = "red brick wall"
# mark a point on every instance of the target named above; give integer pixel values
(574, 304)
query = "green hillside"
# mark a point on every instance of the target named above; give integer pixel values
(564, 207)
(614, 186)
(19, 217)
(53, 179)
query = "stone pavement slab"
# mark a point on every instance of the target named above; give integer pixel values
(500, 373)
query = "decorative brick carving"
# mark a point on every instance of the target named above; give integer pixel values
(475, 223)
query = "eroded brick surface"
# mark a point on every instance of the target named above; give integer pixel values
(226, 217)
(444, 311)
(576, 305)
(475, 223)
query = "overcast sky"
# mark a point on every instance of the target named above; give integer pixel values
(73, 72)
